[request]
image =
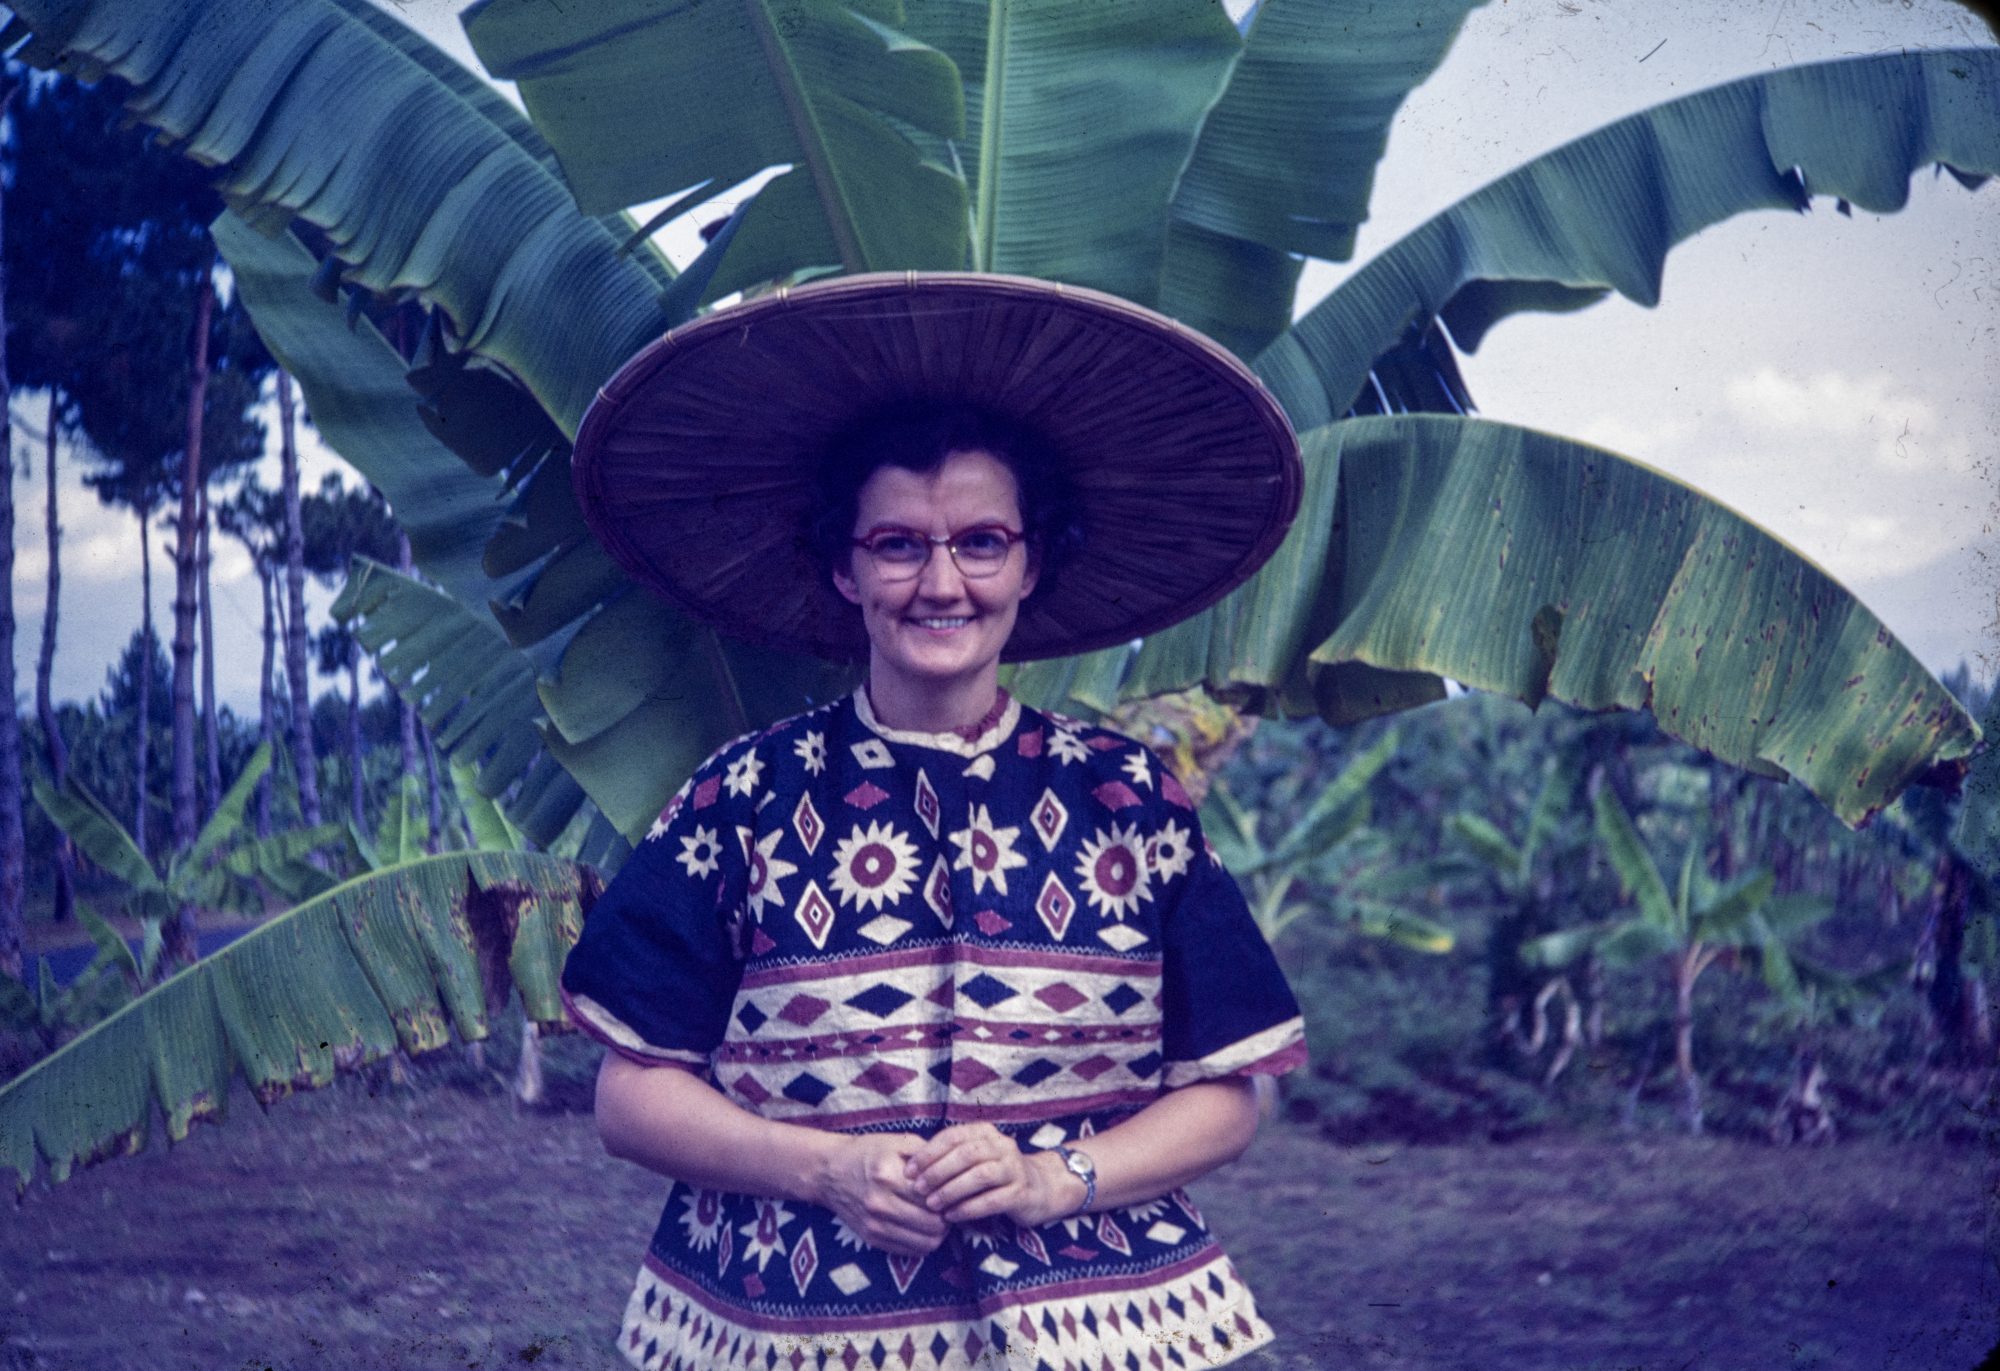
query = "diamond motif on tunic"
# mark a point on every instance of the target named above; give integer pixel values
(999, 1268)
(937, 891)
(969, 1073)
(1173, 792)
(885, 1078)
(1055, 905)
(903, 1270)
(927, 803)
(1112, 1236)
(806, 823)
(1061, 997)
(987, 990)
(761, 942)
(805, 1260)
(724, 1251)
(884, 929)
(1031, 1242)
(850, 1279)
(1166, 1234)
(880, 1000)
(1047, 1136)
(1123, 937)
(1116, 795)
(807, 1089)
(1035, 1072)
(866, 796)
(1048, 819)
(1090, 1068)
(802, 1009)
(815, 914)
(705, 793)
(1122, 997)
(1029, 744)
(872, 753)
(991, 924)
(746, 1085)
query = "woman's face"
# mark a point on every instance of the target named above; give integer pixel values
(940, 629)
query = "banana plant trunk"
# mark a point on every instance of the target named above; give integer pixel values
(55, 749)
(13, 848)
(1687, 966)
(406, 713)
(1963, 1033)
(187, 574)
(304, 766)
(355, 791)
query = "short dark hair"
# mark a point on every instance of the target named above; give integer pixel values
(918, 436)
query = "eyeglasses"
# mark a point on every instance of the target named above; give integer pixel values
(901, 554)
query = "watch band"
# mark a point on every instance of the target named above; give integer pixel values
(1079, 1165)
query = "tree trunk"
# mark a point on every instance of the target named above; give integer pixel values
(142, 747)
(354, 787)
(55, 749)
(267, 703)
(13, 845)
(187, 576)
(1957, 1015)
(1684, 974)
(211, 741)
(304, 766)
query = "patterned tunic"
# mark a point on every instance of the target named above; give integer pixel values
(853, 927)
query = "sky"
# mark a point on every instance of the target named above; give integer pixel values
(1827, 376)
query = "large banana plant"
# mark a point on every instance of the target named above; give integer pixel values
(401, 958)
(1148, 147)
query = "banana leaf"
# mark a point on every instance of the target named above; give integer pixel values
(642, 101)
(1600, 213)
(1635, 867)
(404, 957)
(1285, 161)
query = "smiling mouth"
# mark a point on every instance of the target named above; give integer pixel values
(958, 622)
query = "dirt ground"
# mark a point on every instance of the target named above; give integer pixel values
(445, 1227)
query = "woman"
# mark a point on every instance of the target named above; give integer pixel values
(930, 1002)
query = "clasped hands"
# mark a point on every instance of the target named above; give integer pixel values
(902, 1193)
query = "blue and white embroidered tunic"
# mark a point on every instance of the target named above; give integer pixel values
(852, 927)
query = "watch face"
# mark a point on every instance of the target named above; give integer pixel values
(1078, 1163)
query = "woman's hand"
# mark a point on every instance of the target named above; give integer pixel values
(863, 1180)
(974, 1171)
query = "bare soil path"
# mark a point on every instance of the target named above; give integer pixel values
(444, 1228)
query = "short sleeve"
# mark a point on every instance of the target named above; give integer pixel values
(656, 970)
(1226, 1006)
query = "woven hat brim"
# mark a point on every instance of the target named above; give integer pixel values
(695, 466)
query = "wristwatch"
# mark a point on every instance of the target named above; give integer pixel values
(1079, 1165)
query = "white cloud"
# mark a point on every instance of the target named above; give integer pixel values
(1878, 417)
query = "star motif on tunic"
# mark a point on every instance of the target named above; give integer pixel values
(766, 870)
(701, 854)
(701, 1216)
(1170, 851)
(743, 774)
(1136, 768)
(874, 866)
(661, 824)
(1113, 867)
(1066, 747)
(988, 852)
(761, 1237)
(811, 750)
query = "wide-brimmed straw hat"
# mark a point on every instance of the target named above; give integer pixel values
(696, 465)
